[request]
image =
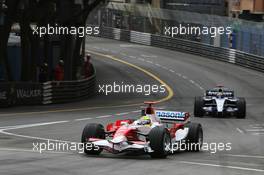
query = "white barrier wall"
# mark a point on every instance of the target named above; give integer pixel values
(117, 33)
(141, 38)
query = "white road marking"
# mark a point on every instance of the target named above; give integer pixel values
(34, 138)
(81, 119)
(196, 84)
(161, 108)
(257, 127)
(31, 125)
(32, 151)
(131, 45)
(14, 149)
(180, 75)
(255, 130)
(149, 56)
(126, 45)
(258, 133)
(132, 57)
(223, 166)
(136, 111)
(244, 156)
(239, 130)
(104, 116)
(123, 113)
(4, 129)
(149, 62)
(191, 81)
(199, 86)
(106, 50)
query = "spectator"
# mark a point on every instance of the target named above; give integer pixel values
(43, 74)
(59, 71)
(87, 66)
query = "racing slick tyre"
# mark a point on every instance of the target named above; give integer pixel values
(241, 106)
(194, 139)
(160, 142)
(92, 130)
(198, 107)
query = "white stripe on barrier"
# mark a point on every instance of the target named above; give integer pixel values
(47, 83)
(232, 56)
(47, 90)
(47, 98)
(117, 33)
(47, 86)
(141, 38)
(47, 102)
(47, 94)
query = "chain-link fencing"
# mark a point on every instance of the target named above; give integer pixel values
(246, 36)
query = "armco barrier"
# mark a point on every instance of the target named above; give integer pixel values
(23, 93)
(20, 93)
(68, 91)
(218, 53)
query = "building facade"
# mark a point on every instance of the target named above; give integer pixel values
(214, 7)
(247, 9)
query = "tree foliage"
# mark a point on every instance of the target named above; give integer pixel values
(42, 13)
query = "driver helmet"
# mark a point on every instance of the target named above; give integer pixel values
(220, 93)
(145, 120)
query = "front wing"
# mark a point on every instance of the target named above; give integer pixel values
(120, 147)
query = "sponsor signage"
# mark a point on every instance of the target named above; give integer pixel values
(171, 115)
(20, 93)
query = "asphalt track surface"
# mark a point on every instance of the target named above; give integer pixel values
(187, 75)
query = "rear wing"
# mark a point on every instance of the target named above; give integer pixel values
(172, 116)
(226, 93)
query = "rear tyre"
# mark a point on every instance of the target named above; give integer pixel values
(160, 142)
(198, 107)
(194, 139)
(241, 106)
(92, 130)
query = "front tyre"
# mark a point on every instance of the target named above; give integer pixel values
(241, 106)
(198, 107)
(92, 130)
(194, 139)
(160, 142)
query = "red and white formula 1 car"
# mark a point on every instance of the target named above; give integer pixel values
(155, 133)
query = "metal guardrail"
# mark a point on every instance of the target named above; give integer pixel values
(218, 53)
(51, 92)
(18, 93)
(68, 91)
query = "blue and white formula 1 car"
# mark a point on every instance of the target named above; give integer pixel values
(219, 102)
